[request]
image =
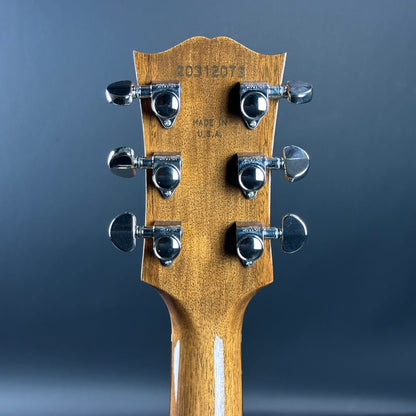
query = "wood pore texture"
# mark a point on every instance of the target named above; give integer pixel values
(207, 288)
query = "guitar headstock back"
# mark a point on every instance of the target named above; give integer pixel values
(208, 133)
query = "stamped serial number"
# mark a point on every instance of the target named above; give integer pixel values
(213, 71)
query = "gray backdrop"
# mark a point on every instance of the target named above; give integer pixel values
(79, 335)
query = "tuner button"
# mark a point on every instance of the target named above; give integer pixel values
(298, 92)
(295, 163)
(122, 232)
(293, 233)
(121, 92)
(122, 162)
(250, 248)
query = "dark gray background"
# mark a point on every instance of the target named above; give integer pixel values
(335, 333)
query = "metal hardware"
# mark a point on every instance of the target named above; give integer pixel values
(254, 102)
(166, 102)
(166, 167)
(254, 98)
(165, 98)
(251, 236)
(250, 242)
(121, 92)
(252, 168)
(166, 235)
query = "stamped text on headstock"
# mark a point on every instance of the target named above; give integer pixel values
(214, 71)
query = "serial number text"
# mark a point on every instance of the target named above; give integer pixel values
(213, 71)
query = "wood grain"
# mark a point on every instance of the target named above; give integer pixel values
(207, 289)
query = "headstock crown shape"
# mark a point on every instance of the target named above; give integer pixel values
(209, 108)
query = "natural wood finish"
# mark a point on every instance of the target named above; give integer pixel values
(207, 289)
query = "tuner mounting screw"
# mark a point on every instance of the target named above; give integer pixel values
(167, 194)
(166, 235)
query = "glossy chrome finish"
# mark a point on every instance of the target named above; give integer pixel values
(166, 235)
(166, 167)
(251, 235)
(166, 172)
(254, 102)
(166, 102)
(122, 232)
(254, 98)
(252, 168)
(295, 163)
(298, 92)
(122, 162)
(121, 92)
(292, 234)
(250, 244)
(251, 173)
(165, 98)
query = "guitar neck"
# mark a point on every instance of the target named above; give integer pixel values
(206, 363)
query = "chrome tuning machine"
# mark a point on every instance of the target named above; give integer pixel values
(251, 236)
(166, 235)
(165, 98)
(166, 167)
(254, 98)
(252, 168)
